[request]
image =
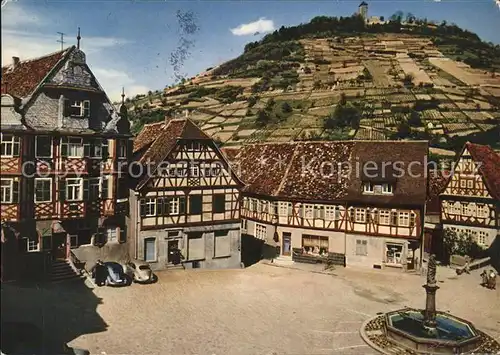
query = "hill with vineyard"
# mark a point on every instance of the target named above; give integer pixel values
(341, 78)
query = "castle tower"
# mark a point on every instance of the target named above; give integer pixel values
(363, 10)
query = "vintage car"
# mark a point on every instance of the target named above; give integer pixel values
(110, 273)
(139, 271)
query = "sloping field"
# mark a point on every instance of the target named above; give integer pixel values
(410, 67)
(452, 68)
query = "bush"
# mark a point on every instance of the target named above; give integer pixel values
(460, 244)
(263, 118)
(252, 100)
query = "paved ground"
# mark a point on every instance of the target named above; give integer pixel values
(262, 310)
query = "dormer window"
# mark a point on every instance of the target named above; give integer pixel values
(377, 189)
(79, 108)
(386, 188)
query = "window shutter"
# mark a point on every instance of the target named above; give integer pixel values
(161, 206)
(86, 149)
(143, 207)
(62, 190)
(182, 205)
(86, 108)
(15, 192)
(86, 189)
(64, 150)
(123, 235)
(105, 188)
(105, 149)
(66, 111)
(15, 148)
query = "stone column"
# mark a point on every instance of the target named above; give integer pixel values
(430, 306)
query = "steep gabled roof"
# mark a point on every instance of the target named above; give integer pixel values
(489, 166)
(311, 170)
(22, 79)
(157, 140)
(437, 182)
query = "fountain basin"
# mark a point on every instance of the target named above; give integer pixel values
(451, 336)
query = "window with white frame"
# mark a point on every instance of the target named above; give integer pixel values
(43, 147)
(413, 218)
(471, 209)
(330, 213)
(32, 245)
(404, 219)
(361, 247)
(72, 147)
(368, 187)
(7, 190)
(74, 189)
(360, 215)
(481, 238)
(273, 208)
(319, 212)
(79, 108)
(457, 208)
(9, 145)
(260, 231)
(253, 205)
(283, 210)
(111, 235)
(149, 207)
(384, 217)
(463, 183)
(244, 225)
(482, 211)
(308, 211)
(194, 170)
(470, 183)
(387, 189)
(173, 207)
(43, 190)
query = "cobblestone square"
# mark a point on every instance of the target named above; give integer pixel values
(272, 310)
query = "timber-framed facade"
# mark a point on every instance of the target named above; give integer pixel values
(300, 198)
(188, 202)
(470, 202)
(64, 155)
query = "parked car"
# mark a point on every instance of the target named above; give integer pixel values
(139, 271)
(110, 273)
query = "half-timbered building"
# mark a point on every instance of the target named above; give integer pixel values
(63, 148)
(470, 203)
(185, 199)
(362, 200)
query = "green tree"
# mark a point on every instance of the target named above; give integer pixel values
(263, 118)
(414, 119)
(252, 100)
(286, 108)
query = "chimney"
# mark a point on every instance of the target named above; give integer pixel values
(15, 61)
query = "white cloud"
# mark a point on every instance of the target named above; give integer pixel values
(36, 40)
(261, 25)
(113, 80)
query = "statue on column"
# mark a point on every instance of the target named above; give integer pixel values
(431, 270)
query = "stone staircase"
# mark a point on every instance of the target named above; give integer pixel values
(63, 270)
(175, 267)
(283, 260)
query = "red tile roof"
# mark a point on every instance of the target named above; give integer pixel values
(156, 140)
(311, 170)
(437, 181)
(24, 78)
(490, 166)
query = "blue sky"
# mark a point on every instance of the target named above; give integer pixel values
(129, 43)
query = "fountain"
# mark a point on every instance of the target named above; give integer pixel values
(428, 331)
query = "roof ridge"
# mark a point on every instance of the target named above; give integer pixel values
(41, 57)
